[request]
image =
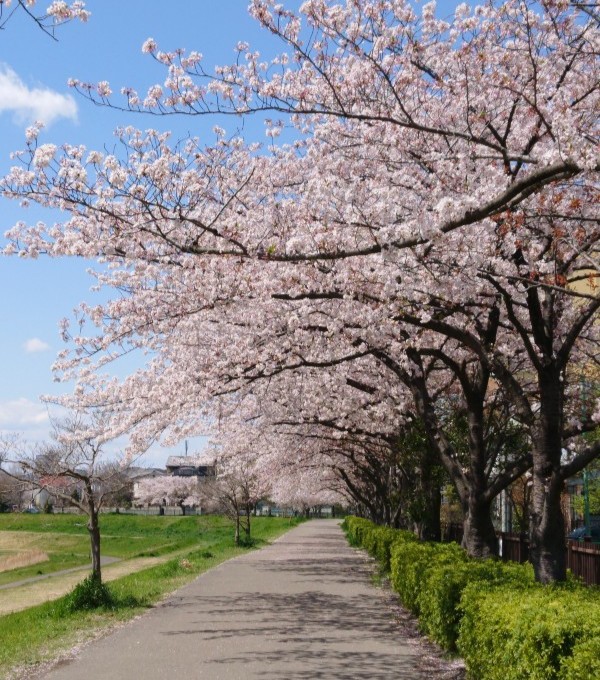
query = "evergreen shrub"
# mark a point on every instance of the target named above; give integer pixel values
(504, 625)
(538, 632)
(442, 587)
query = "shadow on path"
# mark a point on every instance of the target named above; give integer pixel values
(299, 609)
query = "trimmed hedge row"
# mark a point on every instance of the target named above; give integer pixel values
(376, 540)
(506, 626)
(545, 633)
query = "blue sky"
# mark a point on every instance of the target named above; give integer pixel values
(34, 70)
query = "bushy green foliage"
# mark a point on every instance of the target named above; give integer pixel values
(376, 540)
(537, 633)
(442, 587)
(411, 563)
(89, 594)
(506, 626)
(385, 540)
(355, 527)
(585, 662)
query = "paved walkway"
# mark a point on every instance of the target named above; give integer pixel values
(300, 609)
(15, 597)
(61, 572)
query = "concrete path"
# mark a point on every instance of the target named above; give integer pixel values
(300, 609)
(19, 597)
(61, 572)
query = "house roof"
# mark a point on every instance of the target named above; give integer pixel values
(188, 461)
(136, 473)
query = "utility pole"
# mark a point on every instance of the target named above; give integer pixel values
(586, 502)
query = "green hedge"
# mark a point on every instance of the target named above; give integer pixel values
(585, 661)
(375, 539)
(409, 563)
(541, 633)
(442, 589)
(506, 626)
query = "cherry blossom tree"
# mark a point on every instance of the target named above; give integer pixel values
(430, 219)
(236, 489)
(57, 13)
(75, 468)
(171, 490)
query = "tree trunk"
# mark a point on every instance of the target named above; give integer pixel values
(427, 498)
(547, 547)
(94, 531)
(479, 536)
(428, 527)
(248, 515)
(237, 529)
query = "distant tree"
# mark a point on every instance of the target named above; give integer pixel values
(236, 489)
(11, 485)
(170, 490)
(73, 468)
(10, 492)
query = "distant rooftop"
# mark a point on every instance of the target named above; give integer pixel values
(189, 461)
(141, 472)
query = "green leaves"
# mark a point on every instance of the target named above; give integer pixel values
(504, 624)
(542, 633)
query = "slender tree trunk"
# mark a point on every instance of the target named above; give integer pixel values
(387, 513)
(428, 498)
(93, 527)
(248, 515)
(237, 529)
(429, 527)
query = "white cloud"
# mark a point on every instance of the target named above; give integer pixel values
(22, 413)
(31, 104)
(35, 345)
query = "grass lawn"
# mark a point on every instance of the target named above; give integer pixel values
(44, 632)
(65, 538)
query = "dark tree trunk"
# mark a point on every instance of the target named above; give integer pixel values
(547, 550)
(94, 531)
(237, 529)
(427, 498)
(248, 515)
(429, 527)
(479, 534)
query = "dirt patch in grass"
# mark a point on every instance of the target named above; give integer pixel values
(11, 541)
(23, 597)
(22, 559)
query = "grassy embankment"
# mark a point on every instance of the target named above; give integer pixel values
(64, 539)
(43, 632)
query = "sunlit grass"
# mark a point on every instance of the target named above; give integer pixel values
(64, 538)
